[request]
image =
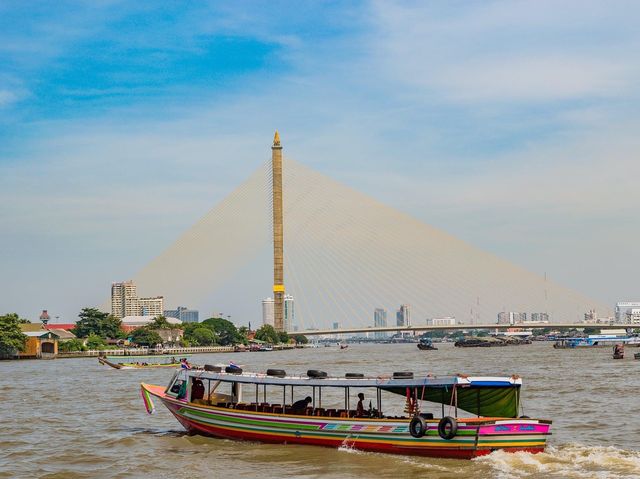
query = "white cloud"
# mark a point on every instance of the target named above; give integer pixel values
(508, 52)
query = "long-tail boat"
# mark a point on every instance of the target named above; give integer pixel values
(142, 362)
(478, 414)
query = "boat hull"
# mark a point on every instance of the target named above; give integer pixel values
(475, 437)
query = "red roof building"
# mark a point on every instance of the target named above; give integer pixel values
(65, 326)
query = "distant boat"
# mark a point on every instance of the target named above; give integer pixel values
(618, 351)
(596, 341)
(141, 362)
(426, 345)
(344, 346)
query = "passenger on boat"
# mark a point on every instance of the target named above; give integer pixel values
(197, 389)
(301, 405)
(360, 407)
(184, 364)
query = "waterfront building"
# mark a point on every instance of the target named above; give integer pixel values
(268, 305)
(129, 323)
(447, 321)
(380, 321)
(624, 307)
(41, 343)
(289, 313)
(183, 314)
(125, 301)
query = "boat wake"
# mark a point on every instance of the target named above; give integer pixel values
(566, 461)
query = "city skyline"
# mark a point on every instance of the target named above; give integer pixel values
(527, 150)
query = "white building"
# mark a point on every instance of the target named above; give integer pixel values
(624, 307)
(132, 322)
(125, 302)
(268, 311)
(448, 321)
(289, 313)
(633, 316)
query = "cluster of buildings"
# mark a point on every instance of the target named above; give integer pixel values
(628, 312)
(403, 319)
(136, 312)
(268, 312)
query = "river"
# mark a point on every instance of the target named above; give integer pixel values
(72, 418)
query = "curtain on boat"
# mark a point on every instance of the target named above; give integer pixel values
(484, 401)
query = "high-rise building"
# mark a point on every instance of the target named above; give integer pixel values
(403, 316)
(267, 311)
(125, 302)
(380, 321)
(289, 313)
(183, 314)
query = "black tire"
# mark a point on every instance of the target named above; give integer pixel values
(280, 373)
(447, 428)
(524, 417)
(403, 375)
(354, 375)
(231, 370)
(417, 427)
(314, 373)
(214, 369)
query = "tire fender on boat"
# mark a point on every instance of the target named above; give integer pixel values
(418, 427)
(447, 428)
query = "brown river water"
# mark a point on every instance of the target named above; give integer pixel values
(72, 418)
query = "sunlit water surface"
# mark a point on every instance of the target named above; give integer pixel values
(73, 418)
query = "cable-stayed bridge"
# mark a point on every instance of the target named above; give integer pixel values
(345, 254)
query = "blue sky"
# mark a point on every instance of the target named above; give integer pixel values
(512, 125)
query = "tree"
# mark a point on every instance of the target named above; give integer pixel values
(94, 321)
(95, 342)
(71, 345)
(226, 330)
(300, 339)
(202, 336)
(161, 322)
(145, 336)
(11, 337)
(267, 333)
(283, 337)
(243, 331)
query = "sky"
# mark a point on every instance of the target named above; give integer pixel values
(511, 125)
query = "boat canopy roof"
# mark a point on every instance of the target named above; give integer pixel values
(481, 395)
(384, 382)
(146, 358)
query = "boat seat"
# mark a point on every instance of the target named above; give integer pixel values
(331, 413)
(343, 413)
(308, 411)
(319, 411)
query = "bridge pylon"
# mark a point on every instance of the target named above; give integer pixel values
(278, 235)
